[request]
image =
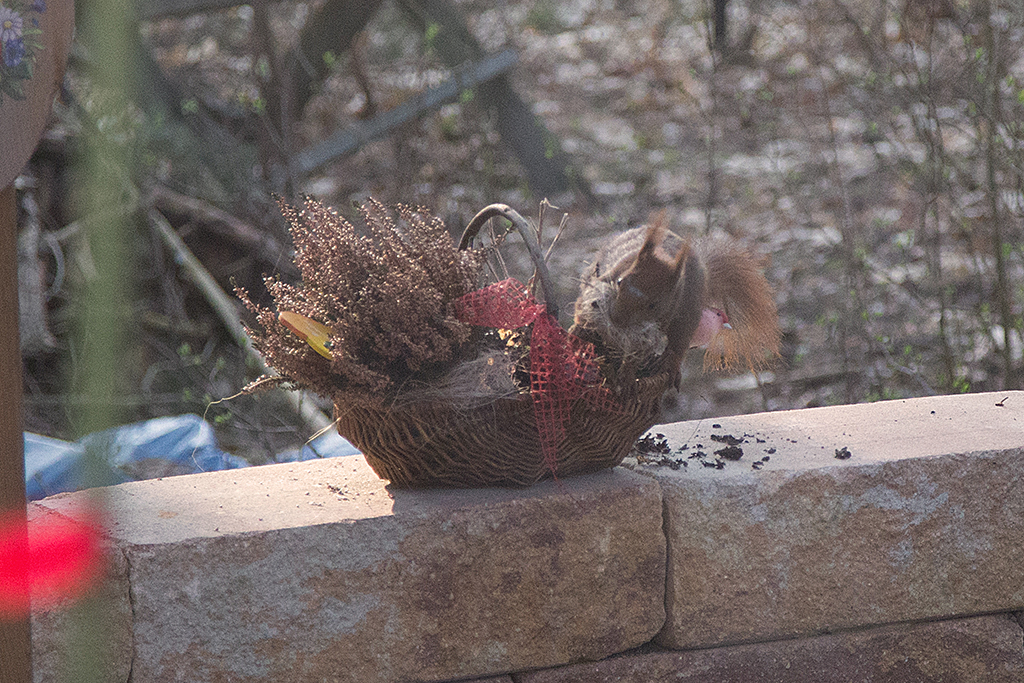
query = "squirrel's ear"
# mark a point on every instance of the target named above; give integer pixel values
(681, 256)
(655, 236)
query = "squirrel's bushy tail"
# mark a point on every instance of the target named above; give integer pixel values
(738, 286)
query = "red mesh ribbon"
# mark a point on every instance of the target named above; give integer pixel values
(562, 368)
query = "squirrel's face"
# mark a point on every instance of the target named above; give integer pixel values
(632, 304)
(646, 291)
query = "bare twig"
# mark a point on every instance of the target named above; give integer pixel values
(993, 112)
(361, 132)
(562, 224)
(246, 235)
(713, 130)
(35, 333)
(524, 230)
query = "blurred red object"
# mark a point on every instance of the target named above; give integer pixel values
(47, 560)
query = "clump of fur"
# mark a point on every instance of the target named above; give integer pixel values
(387, 297)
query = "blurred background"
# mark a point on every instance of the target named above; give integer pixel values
(873, 150)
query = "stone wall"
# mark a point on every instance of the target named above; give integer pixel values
(902, 562)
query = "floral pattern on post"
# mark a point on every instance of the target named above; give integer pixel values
(20, 42)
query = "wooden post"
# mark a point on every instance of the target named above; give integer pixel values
(15, 642)
(22, 120)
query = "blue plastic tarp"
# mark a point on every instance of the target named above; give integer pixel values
(162, 447)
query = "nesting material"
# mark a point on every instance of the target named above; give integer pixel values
(636, 344)
(470, 384)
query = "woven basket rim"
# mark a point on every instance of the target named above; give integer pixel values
(397, 402)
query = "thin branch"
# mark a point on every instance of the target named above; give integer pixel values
(524, 230)
(361, 132)
(224, 306)
(240, 231)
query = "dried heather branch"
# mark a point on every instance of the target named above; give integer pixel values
(386, 296)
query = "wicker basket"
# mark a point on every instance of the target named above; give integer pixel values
(569, 418)
(428, 445)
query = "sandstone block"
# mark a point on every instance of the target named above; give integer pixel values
(318, 572)
(923, 520)
(981, 649)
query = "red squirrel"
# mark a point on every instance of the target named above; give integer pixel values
(711, 294)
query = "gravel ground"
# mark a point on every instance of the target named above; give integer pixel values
(872, 151)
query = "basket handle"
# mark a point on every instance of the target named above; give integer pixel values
(523, 228)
